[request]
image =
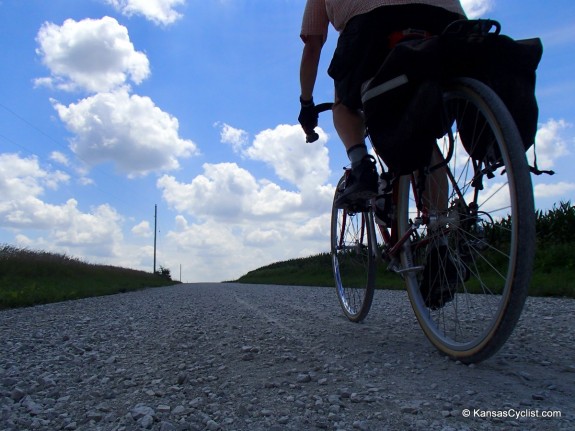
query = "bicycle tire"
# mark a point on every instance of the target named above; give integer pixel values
(353, 257)
(490, 245)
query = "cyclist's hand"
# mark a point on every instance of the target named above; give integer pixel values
(308, 116)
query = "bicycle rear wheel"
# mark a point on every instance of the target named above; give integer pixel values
(476, 242)
(353, 257)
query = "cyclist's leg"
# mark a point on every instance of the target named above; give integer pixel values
(436, 190)
(361, 183)
(349, 124)
(441, 274)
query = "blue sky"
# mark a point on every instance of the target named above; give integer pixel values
(109, 107)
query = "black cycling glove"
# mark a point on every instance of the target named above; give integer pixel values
(308, 115)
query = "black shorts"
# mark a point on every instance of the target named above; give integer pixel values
(363, 44)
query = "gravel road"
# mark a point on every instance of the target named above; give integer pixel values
(246, 357)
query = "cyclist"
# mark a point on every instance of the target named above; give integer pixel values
(368, 29)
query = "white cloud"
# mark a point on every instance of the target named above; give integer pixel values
(90, 55)
(226, 192)
(231, 217)
(550, 143)
(23, 177)
(112, 125)
(305, 165)
(477, 8)
(59, 157)
(562, 191)
(237, 138)
(99, 230)
(158, 11)
(142, 229)
(242, 223)
(210, 251)
(128, 130)
(315, 229)
(65, 227)
(214, 251)
(263, 238)
(93, 236)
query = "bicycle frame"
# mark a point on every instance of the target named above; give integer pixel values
(393, 240)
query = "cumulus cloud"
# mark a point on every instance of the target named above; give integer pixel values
(142, 229)
(100, 229)
(126, 129)
(22, 184)
(24, 177)
(59, 157)
(237, 138)
(227, 192)
(242, 222)
(201, 247)
(303, 164)
(158, 11)
(94, 55)
(98, 57)
(562, 190)
(237, 248)
(477, 8)
(550, 143)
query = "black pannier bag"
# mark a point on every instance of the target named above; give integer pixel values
(507, 66)
(403, 103)
(402, 106)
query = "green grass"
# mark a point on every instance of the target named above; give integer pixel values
(314, 271)
(547, 280)
(553, 270)
(35, 277)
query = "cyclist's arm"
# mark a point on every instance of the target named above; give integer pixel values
(309, 64)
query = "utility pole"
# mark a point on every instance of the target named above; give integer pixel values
(155, 230)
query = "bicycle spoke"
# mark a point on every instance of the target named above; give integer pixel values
(469, 249)
(352, 261)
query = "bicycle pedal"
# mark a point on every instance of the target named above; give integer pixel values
(410, 269)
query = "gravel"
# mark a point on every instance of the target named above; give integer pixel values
(246, 357)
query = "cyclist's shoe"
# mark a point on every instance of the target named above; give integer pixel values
(361, 184)
(440, 278)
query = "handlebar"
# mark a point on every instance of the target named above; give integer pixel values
(312, 136)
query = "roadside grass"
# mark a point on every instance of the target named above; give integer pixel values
(30, 277)
(547, 280)
(553, 270)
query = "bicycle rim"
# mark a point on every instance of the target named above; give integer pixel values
(353, 260)
(479, 243)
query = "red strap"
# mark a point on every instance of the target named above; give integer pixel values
(408, 34)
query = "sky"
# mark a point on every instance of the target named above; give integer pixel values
(109, 108)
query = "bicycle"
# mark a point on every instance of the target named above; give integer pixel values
(476, 245)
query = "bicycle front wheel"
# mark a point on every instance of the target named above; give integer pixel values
(473, 232)
(353, 256)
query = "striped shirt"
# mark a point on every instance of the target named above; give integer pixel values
(319, 13)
